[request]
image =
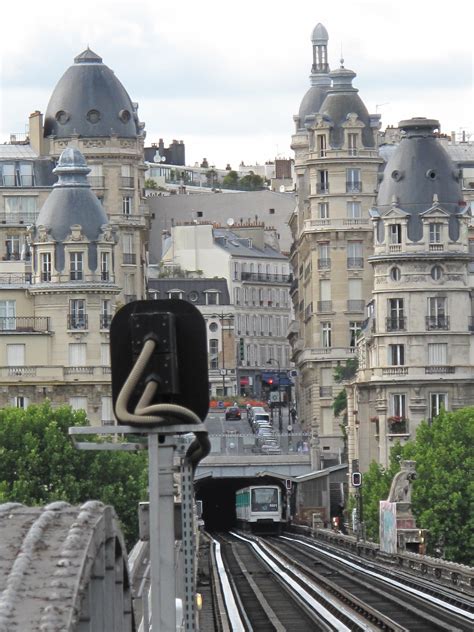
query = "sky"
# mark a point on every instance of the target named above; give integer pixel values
(227, 78)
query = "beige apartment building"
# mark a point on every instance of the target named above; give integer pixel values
(336, 165)
(89, 112)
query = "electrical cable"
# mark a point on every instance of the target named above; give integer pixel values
(155, 414)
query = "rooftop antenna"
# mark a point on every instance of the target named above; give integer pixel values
(342, 58)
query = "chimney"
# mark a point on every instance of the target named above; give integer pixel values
(453, 138)
(36, 132)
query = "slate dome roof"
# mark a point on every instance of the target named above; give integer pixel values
(419, 169)
(341, 100)
(72, 202)
(90, 101)
(319, 34)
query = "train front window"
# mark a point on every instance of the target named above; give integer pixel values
(265, 499)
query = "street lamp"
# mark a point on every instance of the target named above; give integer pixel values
(280, 421)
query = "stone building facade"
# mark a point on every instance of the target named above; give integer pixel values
(336, 166)
(415, 351)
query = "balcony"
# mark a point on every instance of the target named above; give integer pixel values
(397, 425)
(396, 323)
(15, 278)
(24, 324)
(22, 371)
(324, 306)
(324, 264)
(18, 217)
(431, 370)
(394, 248)
(129, 258)
(356, 306)
(437, 322)
(354, 263)
(96, 182)
(126, 182)
(77, 321)
(353, 187)
(260, 277)
(325, 391)
(105, 320)
(395, 370)
(322, 188)
(436, 247)
(78, 370)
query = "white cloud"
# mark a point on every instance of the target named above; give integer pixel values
(227, 78)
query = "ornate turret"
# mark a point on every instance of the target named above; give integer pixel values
(319, 78)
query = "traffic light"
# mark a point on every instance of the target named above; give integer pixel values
(241, 350)
(356, 479)
(270, 381)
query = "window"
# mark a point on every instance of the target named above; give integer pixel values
(20, 401)
(353, 210)
(355, 302)
(354, 329)
(213, 353)
(15, 355)
(323, 181)
(76, 266)
(45, 266)
(213, 326)
(20, 209)
(437, 354)
(352, 144)
(435, 233)
(9, 175)
(127, 205)
(7, 315)
(324, 255)
(175, 294)
(78, 403)
(396, 355)
(321, 142)
(437, 272)
(12, 246)
(395, 233)
(353, 183)
(95, 176)
(77, 354)
(26, 174)
(237, 295)
(437, 318)
(326, 337)
(323, 210)
(77, 314)
(398, 405)
(354, 255)
(396, 315)
(104, 266)
(105, 354)
(212, 298)
(324, 303)
(105, 314)
(437, 402)
(395, 274)
(107, 415)
(127, 179)
(236, 270)
(129, 287)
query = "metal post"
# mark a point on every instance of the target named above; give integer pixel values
(280, 420)
(162, 562)
(189, 541)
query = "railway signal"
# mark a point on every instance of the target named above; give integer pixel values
(356, 479)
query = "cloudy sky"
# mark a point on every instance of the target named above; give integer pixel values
(227, 77)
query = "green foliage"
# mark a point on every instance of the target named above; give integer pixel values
(150, 184)
(231, 180)
(339, 404)
(346, 372)
(443, 491)
(251, 182)
(39, 464)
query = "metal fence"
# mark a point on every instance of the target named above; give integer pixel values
(236, 444)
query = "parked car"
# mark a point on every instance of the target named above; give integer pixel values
(262, 425)
(270, 446)
(233, 412)
(254, 410)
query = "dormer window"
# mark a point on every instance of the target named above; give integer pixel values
(45, 266)
(395, 232)
(321, 144)
(76, 266)
(352, 144)
(435, 233)
(104, 266)
(212, 298)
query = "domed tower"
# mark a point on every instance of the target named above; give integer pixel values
(337, 164)
(90, 109)
(415, 354)
(73, 286)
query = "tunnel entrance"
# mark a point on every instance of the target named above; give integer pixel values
(218, 498)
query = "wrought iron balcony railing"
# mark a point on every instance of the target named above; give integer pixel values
(437, 322)
(105, 320)
(355, 262)
(353, 187)
(24, 324)
(396, 323)
(77, 321)
(355, 306)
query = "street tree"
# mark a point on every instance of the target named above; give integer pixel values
(39, 464)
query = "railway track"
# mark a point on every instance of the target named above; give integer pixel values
(286, 583)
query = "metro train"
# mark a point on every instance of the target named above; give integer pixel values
(259, 508)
